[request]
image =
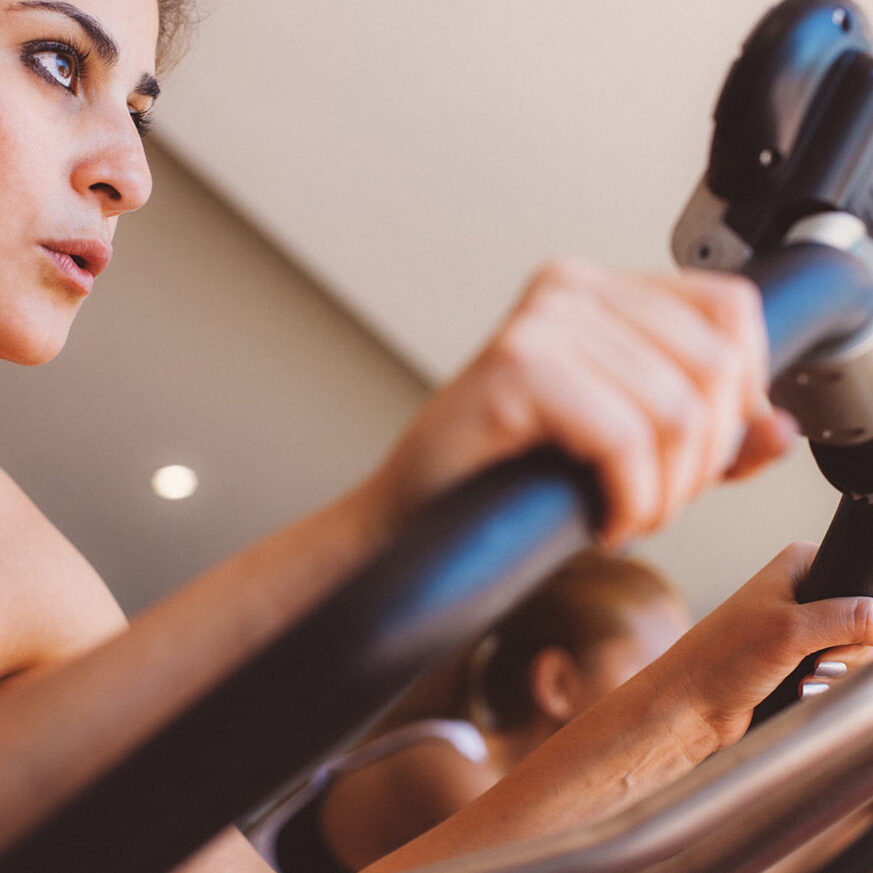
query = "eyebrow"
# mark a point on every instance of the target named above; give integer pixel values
(104, 44)
(148, 86)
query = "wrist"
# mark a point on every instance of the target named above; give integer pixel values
(675, 704)
(374, 512)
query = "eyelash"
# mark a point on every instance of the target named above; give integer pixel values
(78, 56)
(142, 120)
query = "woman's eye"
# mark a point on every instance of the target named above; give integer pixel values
(59, 65)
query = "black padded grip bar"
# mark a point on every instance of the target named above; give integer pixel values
(843, 567)
(806, 289)
(464, 561)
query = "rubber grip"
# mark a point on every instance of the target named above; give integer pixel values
(843, 567)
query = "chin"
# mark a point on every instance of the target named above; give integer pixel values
(32, 347)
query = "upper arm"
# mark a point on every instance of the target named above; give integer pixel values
(53, 605)
(378, 808)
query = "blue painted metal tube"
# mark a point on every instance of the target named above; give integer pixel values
(812, 294)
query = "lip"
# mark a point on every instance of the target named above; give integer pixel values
(80, 261)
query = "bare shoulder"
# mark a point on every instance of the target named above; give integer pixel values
(53, 604)
(375, 809)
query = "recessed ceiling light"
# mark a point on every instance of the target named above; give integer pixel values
(174, 482)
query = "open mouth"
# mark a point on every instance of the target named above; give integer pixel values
(73, 269)
(81, 259)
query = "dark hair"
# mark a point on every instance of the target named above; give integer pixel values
(580, 607)
(177, 19)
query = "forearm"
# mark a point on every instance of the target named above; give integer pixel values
(696, 698)
(57, 733)
(637, 740)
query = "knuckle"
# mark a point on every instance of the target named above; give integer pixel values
(680, 415)
(725, 369)
(734, 303)
(744, 292)
(515, 349)
(862, 620)
(795, 560)
(787, 626)
(552, 303)
(798, 552)
(632, 442)
(730, 312)
(562, 271)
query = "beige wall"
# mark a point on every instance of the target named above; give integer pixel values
(733, 530)
(200, 346)
(450, 146)
(204, 346)
(424, 157)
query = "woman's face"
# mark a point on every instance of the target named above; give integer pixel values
(652, 628)
(77, 80)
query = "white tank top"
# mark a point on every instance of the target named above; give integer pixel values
(263, 831)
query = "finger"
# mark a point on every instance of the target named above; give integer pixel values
(733, 376)
(663, 393)
(827, 674)
(734, 304)
(833, 667)
(811, 686)
(838, 621)
(831, 670)
(781, 577)
(851, 657)
(586, 415)
(711, 363)
(767, 437)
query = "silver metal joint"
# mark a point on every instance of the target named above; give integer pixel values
(702, 239)
(831, 391)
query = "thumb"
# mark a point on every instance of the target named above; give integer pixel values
(767, 437)
(838, 621)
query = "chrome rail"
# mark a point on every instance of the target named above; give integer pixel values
(739, 812)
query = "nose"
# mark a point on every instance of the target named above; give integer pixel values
(112, 168)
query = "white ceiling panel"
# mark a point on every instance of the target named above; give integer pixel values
(421, 158)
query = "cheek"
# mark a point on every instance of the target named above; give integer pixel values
(31, 162)
(35, 316)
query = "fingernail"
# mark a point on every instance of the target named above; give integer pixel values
(762, 407)
(812, 689)
(831, 670)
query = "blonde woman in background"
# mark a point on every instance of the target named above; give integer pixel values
(589, 628)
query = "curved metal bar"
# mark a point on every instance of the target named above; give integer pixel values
(740, 811)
